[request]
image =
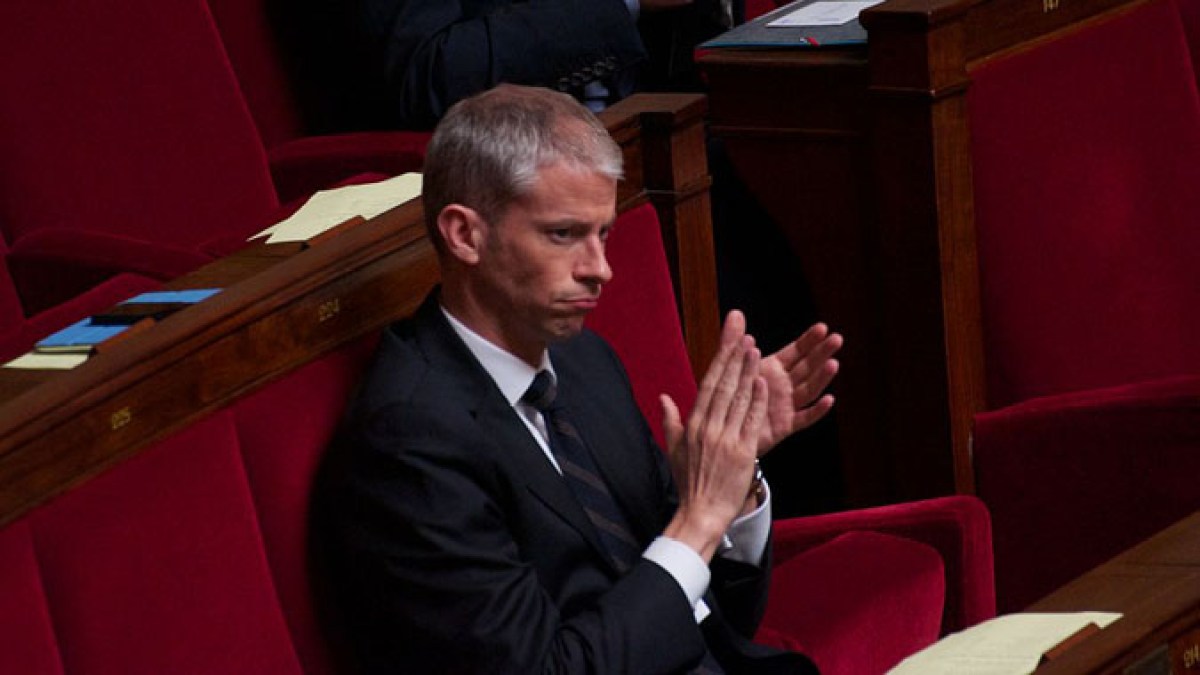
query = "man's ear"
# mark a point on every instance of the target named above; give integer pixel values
(463, 232)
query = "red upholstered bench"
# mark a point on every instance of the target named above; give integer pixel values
(192, 556)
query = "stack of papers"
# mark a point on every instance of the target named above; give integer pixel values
(1007, 645)
(329, 208)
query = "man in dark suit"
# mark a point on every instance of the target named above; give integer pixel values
(436, 52)
(500, 506)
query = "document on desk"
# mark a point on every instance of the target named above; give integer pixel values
(1007, 645)
(329, 208)
(35, 361)
(823, 14)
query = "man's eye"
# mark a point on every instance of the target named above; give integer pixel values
(561, 234)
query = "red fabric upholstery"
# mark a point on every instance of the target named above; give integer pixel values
(637, 315)
(1086, 161)
(1111, 467)
(958, 527)
(125, 119)
(27, 640)
(858, 604)
(304, 165)
(255, 48)
(54, 265)
(158, 566)
(1189, 12)
(1086, 206)
(284, 430)
(299, 83)
(756, 8)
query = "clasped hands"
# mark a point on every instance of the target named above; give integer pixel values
(745, 405)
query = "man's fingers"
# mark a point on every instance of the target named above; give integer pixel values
(797, 349)
(739, 402)
(812, 414)
(732, 332)
(756, 414)
(672, 423)
(804, 392)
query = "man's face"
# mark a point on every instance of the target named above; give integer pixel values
(543, 263)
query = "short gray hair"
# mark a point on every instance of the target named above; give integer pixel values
(487, 151)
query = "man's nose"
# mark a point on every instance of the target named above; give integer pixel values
(594, 265)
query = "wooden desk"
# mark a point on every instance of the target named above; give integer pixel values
(284, 305)
(862, 157)
(1156, 586)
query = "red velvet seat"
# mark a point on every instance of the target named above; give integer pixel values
(1086, 162)
(858, 591)
(126, 143)
(158, 566)
(26, 629)
(307, 103)
(284, 430)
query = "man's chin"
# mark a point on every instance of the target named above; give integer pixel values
(565, 329)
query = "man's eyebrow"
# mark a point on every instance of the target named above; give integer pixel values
(572, 223)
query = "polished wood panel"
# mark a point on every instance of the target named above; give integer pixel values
(861, 155)
(1156, 586)
(285, 304)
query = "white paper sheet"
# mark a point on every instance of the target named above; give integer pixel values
(329, 208)
(823, 14)
(1007, 645)
(32, 361)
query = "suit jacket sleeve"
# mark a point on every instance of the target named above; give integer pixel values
(439, 51)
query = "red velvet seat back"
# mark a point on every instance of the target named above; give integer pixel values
(126, 118)
(284, 430)
(1086, 165)
(301, 67)
(27, 641)
(12, 315)
(192, 557)
(158, 566)
(254, 49)
(1189, 12)
(638, 316)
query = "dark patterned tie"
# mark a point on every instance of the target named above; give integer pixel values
(585, 481)
(581, 474)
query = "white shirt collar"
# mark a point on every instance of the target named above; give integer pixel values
(511, 374)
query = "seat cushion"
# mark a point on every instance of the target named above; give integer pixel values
(1074, 479)
(858, 604)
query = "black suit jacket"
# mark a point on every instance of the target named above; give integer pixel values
(435, 52)
(457, 548)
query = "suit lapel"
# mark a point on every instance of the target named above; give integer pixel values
(606, 432)
(499, 423)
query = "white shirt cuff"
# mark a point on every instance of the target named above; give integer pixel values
(748, 534)
(686, 567)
